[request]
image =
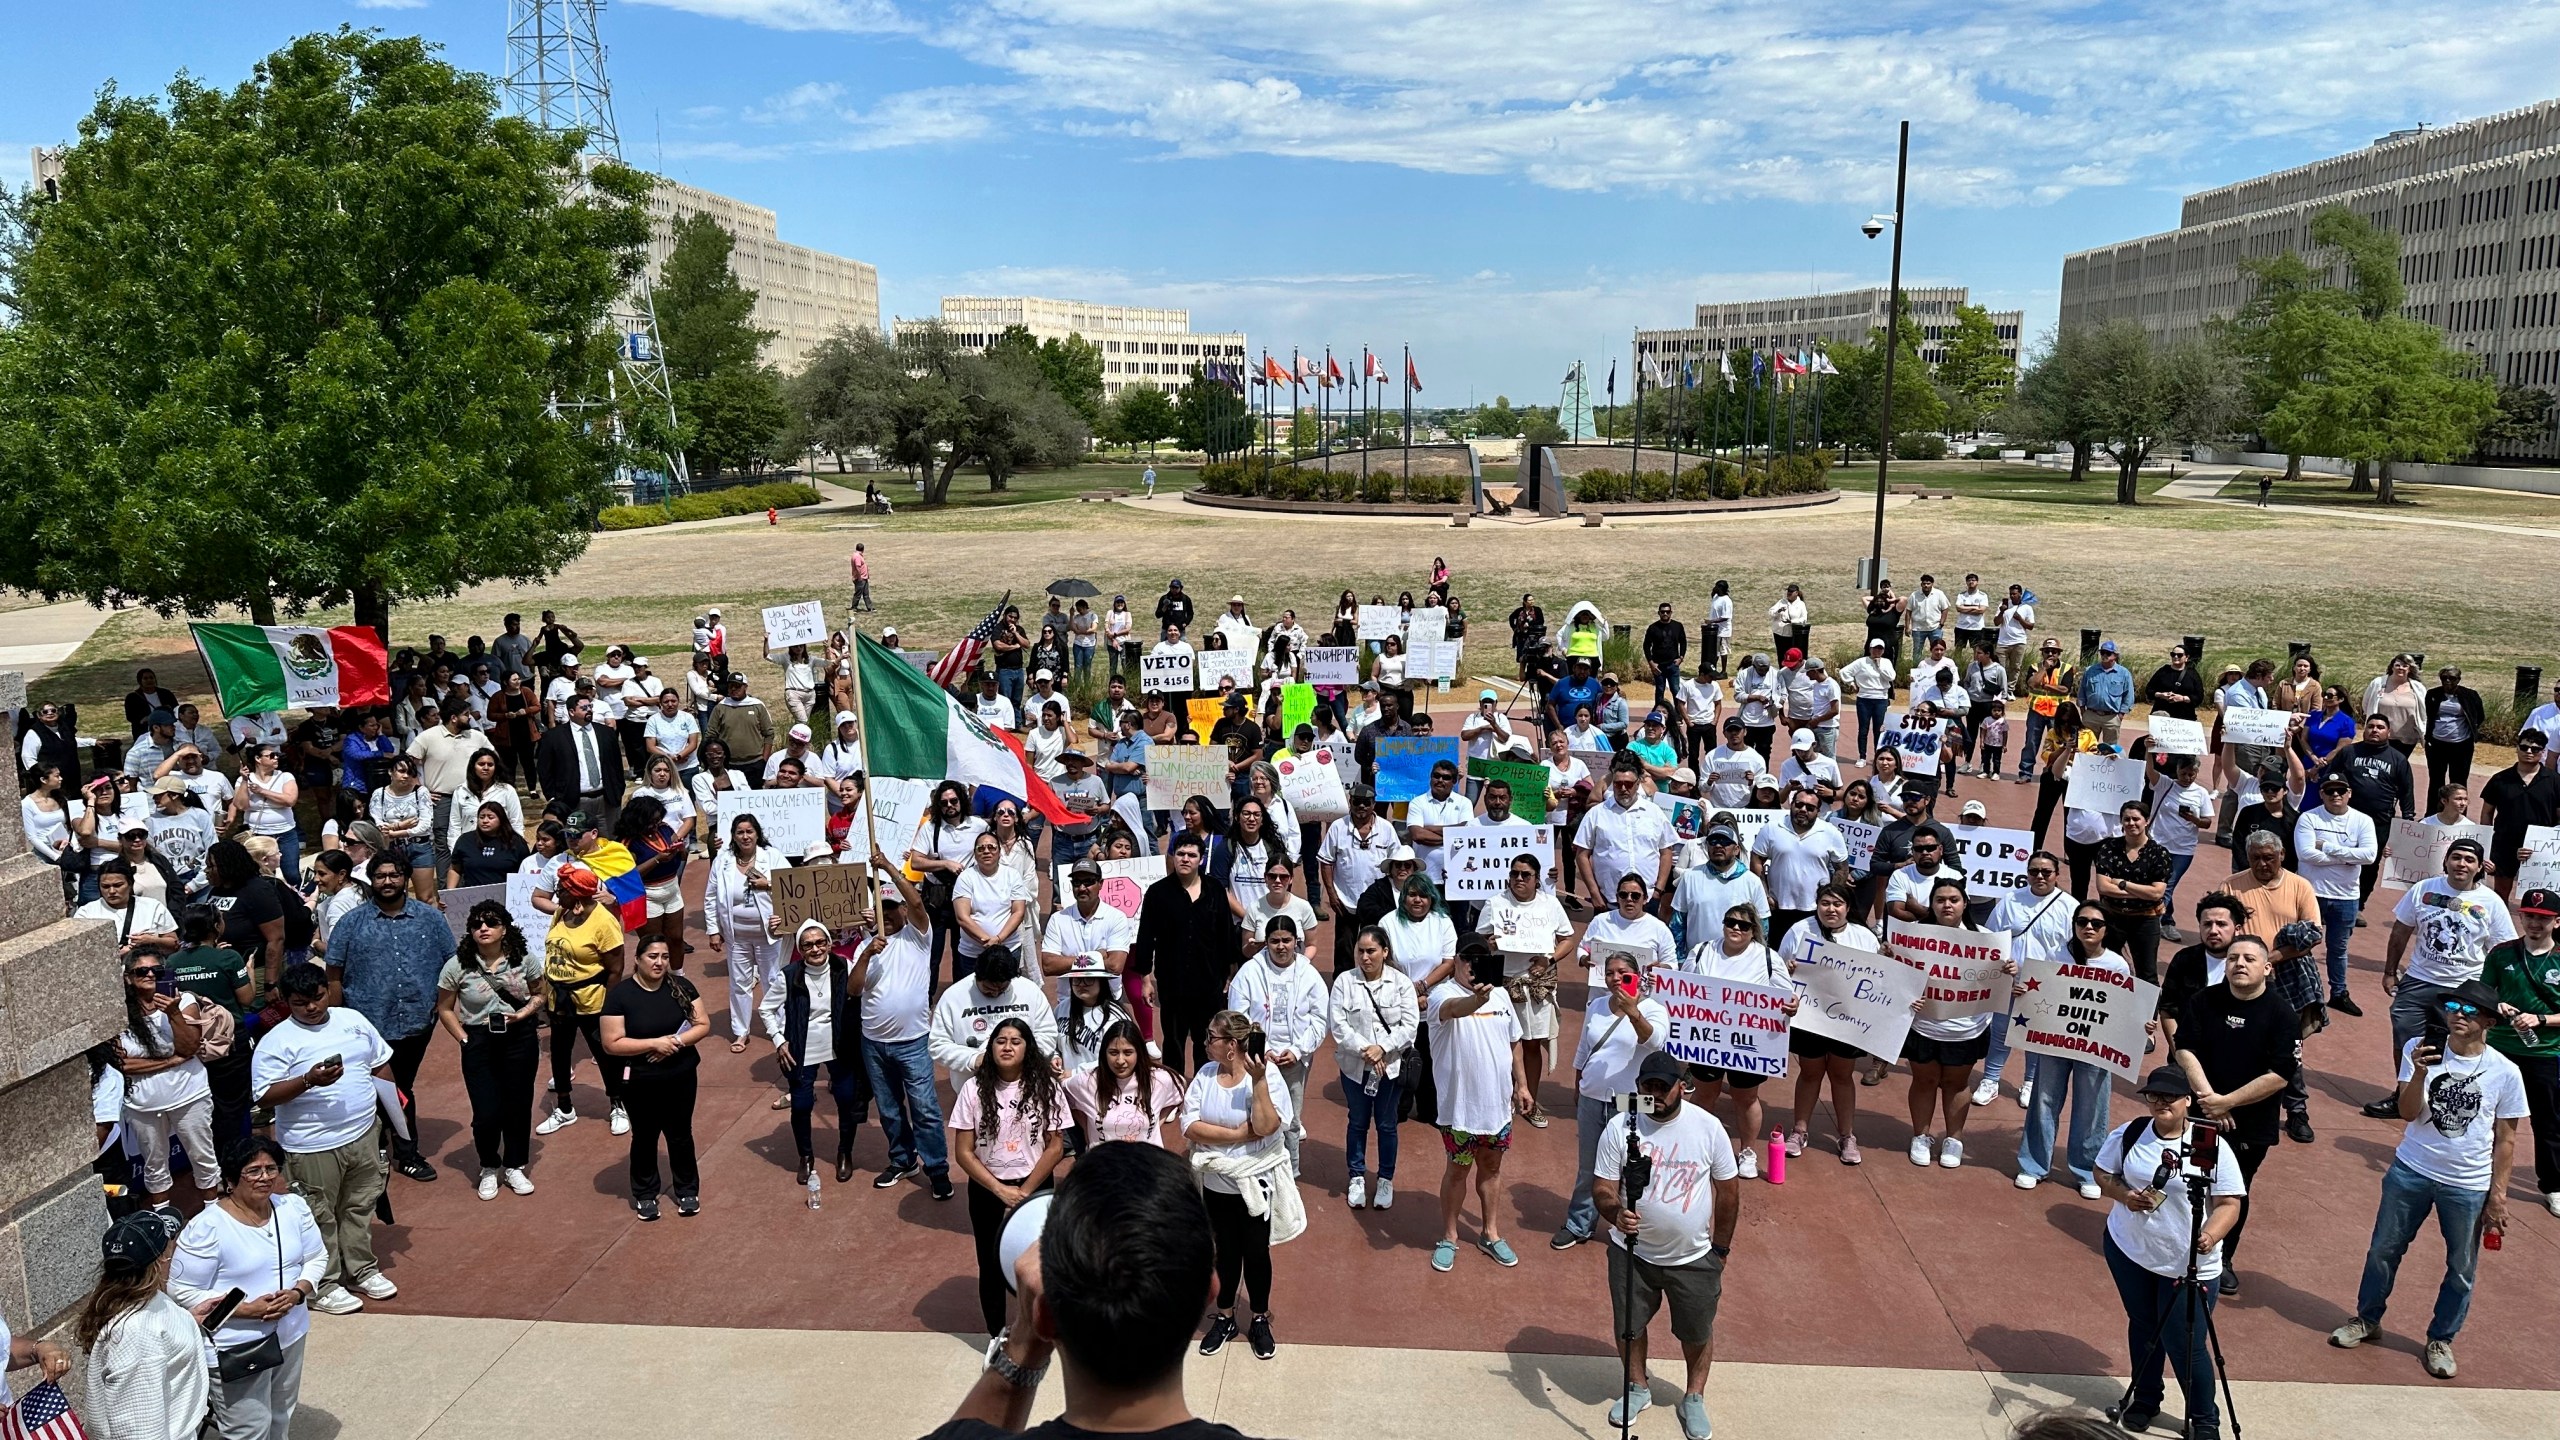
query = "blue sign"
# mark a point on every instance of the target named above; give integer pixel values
(1404, 764)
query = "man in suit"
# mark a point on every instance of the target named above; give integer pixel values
(581, 766)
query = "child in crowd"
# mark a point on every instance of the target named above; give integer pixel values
(1993, 738)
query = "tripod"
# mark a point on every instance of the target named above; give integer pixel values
(2191, 1295)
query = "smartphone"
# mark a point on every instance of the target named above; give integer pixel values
(166, 983)
(2436, 1033)
(222, 1312)
(1629, 987)
(498, 1023)
(333, 1060)
(1254, 1043)
(1485, 967)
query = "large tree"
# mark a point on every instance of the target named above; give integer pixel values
(923, 400)
(2051, 402)
(1140, 415)
(2388, 391)
(1210, 417)
(729, 401)
(1073, 369)
(2142, 394)
(293, 344)
(1851, 398)
(1977, 373)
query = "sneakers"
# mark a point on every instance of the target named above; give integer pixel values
(2027, 1181)
(2344, 1003)
(1849, 1151)
(516, 1180)
(1749, 1161)
(1501, 1251)
(1566, 1239)
(688, 1206)
(377, 1286)
(2229, 1284)
(1386, 1195)
(2354, 1333)
(646, 1209)
(487, 1189)
(1987, 1091)
(892, 1175)
(2439, 1359)
(941, 1186)
(1920, 1150)
(416, 1168)
(1637, 1400)
(336, 1300)
(621, 1121)
(557, 1120)
(2297, 1128)
(2089, 1190)
(2551, 1202)
(2027, 1095)
(1950, 1153)
(2134, 1416)
(1358, 1195)
(1222, 1328)
(1258, 1335)
(1694, 1424)
(1795, 1144)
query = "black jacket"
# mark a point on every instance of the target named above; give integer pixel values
(555, 760)
(2186, 683)
(1174, 608)
(2463, 695)
(1665, 642)
(1189, 945)
(844, 1011)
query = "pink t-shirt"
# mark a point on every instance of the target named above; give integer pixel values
(1123, 1118)
(1010, 1151)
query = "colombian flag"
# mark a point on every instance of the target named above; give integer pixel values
(618, 881)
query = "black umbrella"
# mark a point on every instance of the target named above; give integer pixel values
(1073, 588)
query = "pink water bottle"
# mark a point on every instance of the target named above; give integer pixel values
(1777, 1171)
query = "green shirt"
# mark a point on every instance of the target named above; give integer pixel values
(212, 972)
(2530, 983)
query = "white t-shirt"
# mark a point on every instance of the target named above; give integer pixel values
(1756, 965)
(1423, 810)
(818, 1046)
(1701, 897)
(1756, 692)
(1908, 885)
(2174, 831)
(672, 731)
(1973, 611)
(1642, 933)
(609, 682)
(1471, 1058)
(1232, 1105)
(147, 917)
(162, 1091)
(1797, 944)
(895, 1005)
(2455, 929)
(1610, 1053)
(2013, 630)
(1720, 614)
(1928, 609)
(1730, 771)
(1678, 1209)
(1418, 946)
(2157, 1239)
(1798, 863)
(1811, 772)
(2466, 1096)
(325, 1118)
(1699, 700)
(1071, 933)
(988, 896)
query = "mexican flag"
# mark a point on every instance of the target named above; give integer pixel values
(913, 730)
(259, 668)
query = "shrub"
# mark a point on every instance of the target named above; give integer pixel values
(1653, 486)
(1919, 445)
(708, 505)
(1594, 487)
(1986, 452)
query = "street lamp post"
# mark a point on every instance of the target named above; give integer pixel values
(1892, 349)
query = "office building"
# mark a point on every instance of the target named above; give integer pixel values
(2476, 208)
(802, 295)
(1139, 345)
(1800, 322)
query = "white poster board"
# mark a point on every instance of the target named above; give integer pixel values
(1920, 743)
(897, 812)
(1377, 622)
(804, 623)
(2417, 849)
(2538, 863)
(1862, 843)
(793, 819)
(1994, 860)
(1724, 1023)
(1175, 773)
(1211, 666)
(530, 919)
(2105, 783)
(1312, 784)
(2265, 728)
(1962, 971)
(1124, 882)
(1856, 997)
(2080, 1012)
(1168, 674)
(2173, 736)
(457, 903)
(1478, 857)
(1333, 664)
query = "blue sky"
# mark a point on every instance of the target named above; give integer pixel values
(1507, 185)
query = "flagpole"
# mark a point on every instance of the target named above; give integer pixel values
(862, 722)
(1295, 381)
(1746, 428)
(1364, 406)
(1675, 427)
(1635, 438)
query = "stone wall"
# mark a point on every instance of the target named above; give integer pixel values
(58, 997)
(1576, 459)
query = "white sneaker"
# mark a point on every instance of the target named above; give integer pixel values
(1951, 1153)
(336, 1300)
(621, 1121)
(488, 1187)
(517, 1180)
(2026, 1096)
(2027, 1181)
(1920, 1150)
(1987, 1091)
(1750, 1164)
(556, 1120)
(377, 1286)
(2090, 1191)
(1386, 1195)
(2551, 1202)
(1359, 1192)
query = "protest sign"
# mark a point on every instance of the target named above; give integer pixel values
(1528, 784)
(1175, 773)
(1312, 784)
(897, 812)
(793, 819)
(2081, 1012)
(1856, 997)
(1478, 857)
(787, 625)
(1688, 817)
(1434, 660)
(1962, 969)
(2173, 736)
(1639, 956)
(1597, 762)
(1124, 882)
(1213, 666)
(1747, 824)
(1333, 664)
(2266, 728)
(1427, 625)
(2105, 783)
(1994, 860)
(836, 896)
(457, 903)
(1405, 761)
(1167, 674)
(1862, 842)
(1377, 622)
(1204, 713)
(2417, 849)
(1724, 1023)
(529, 918)
(1919, 742)
(2538, 863)
(1297, 707)
(921, 659)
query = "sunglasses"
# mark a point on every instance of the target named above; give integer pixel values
(1740, 925)
(2528, 745)
(2042, 871)
(2088, 922)
(1086, 882)
(144, 972)
(2451, 1007)
(488, 924)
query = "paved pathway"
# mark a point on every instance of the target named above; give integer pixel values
(44, 636)
(2203, 485)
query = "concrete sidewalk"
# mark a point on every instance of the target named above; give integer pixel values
(381, 1376)
(43, 636)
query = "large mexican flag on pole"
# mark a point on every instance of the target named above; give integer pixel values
(258, 668)
(914, 730)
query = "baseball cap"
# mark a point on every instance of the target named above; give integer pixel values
(1800, 740)
(1660, 1065)
(888, 632)
(1723, 833)
(2538, 901)
(1488, 695)
(1816, 663)
(1794, 655)
(161, 717)
(1976, 810)
(2335, 782)
(1044, 673)
(579, 823)
(1875, 645)
(2167, 1081)
(1085, 870)
(1684, 776)
(1361, 792)
(1656, 717)
(713, 612)
(800, 733)
(1764, 781)
(847, 717)
(2108, 647)
(135, 1243)
(2467, 843)
(639, 662)
(168, 785)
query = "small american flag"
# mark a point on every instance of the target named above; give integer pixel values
(41, 1414)
(964, 656)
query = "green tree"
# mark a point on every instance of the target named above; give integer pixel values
(2524, 415)
(2279, 332)
(1538, 426)
(1140, 415)
(2142, 395)
(1074, 371)
(1852, 399)
(1977, 374)
(2389, 390)
(1210, 417)
(1496, 419)
(2051, 401)
(922, 400)
(291, 344)
(728, 401)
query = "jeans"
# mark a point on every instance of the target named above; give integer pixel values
(2337, 927)
(2169, 898)
(498, 1073)
(1590, 1117)
(2407, 1196)
(2158, 1333)
(2034, 743)
(662, 1106)
(910, 1112)
(2411, 1004)
(850, 1085)
(2138, 937)
(1083, 662)
(289, 854)
(1871, 718)
(1009, 684)
(1066, 849)
(1368, 1110)
(2086, 1084)
(1920, 646)
(1998, 1059)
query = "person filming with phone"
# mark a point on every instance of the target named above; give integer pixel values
(1667, 1185)
(2164, 1260)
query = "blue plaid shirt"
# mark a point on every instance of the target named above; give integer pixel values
(390, 962)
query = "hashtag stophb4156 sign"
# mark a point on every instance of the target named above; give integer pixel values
(2080, 1012)
(1725, 1024)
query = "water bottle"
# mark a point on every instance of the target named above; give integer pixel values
(813, 1190)
(1777, 1171)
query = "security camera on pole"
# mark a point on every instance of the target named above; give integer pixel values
(1872, 574)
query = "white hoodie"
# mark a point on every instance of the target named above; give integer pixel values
(1288, 1003)
(965, 1016)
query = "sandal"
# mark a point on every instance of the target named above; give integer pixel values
(738, 1046)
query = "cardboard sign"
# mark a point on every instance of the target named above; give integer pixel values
(787, 625)
(1333, 664)
(1405, 761)
(2265, 728)
(836, 896)
(1856, 997)
(1528, 784)
(793, 819)
(1377, 622)
(2417, 849)
(1963, 971)
(1297, 707)
(1204, 713)
(1862, 843)
(1919, 743)
(1724, 1023)
(1124, 882)
(2105, 783)
(1175, 773)
(2080, 1012)
(2173, 736)
(1478, 857)
(2538, 863)
(1165, 674)
(457, 903)
(1212, 666)
(1994, 860)
(1312, 784)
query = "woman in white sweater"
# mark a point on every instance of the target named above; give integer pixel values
(738, 917)
(480, 786)
(1375, 1014)
(147, 1377)
(259, 1237)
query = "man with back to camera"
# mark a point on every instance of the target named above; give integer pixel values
(1116, 1285)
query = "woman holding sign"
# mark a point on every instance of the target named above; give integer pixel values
(1738, 957)
(1942, 1053)
(1819, 1057)
(738, 919)
(2086, 1082)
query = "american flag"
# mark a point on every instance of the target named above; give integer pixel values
(963, 656)
(41, 1414)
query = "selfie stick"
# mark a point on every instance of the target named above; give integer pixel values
(1634, 1174)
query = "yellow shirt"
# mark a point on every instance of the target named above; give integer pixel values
(576, 953)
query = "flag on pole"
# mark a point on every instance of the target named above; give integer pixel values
(913, 731)
(1613, 380)
(1412, 377)
(259, 668)
(1785, 364)
(1271, 370)
(1759, 365)
(43, 1413)
(1372, 368)
(1724, 367)
(1332, 370)
(1822, 363)
(963, 656)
